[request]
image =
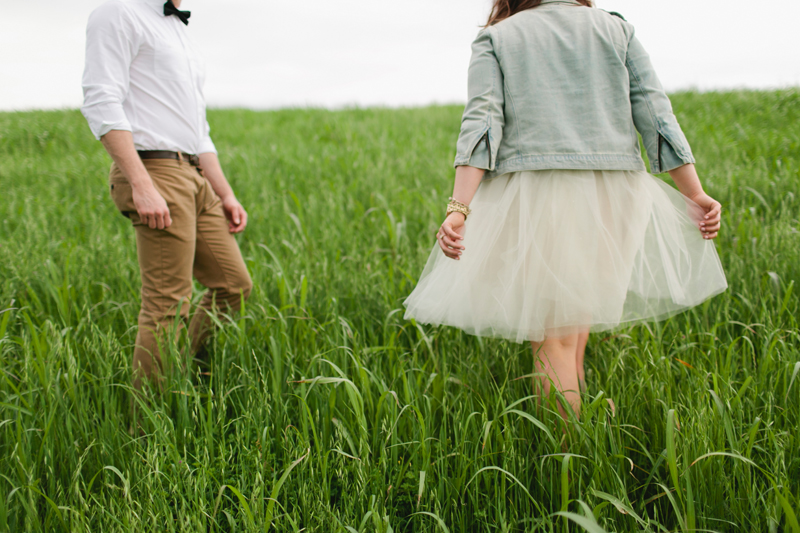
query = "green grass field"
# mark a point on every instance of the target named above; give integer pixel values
(326, 411)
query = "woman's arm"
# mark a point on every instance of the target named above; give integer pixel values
(479, 140)
(449, 235)
(483, 120)
(666, 145)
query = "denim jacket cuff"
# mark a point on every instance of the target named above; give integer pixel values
(480, 152)
(670, 159)
(480, 157)
(672, 151)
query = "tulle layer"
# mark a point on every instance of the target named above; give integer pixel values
(552, 252)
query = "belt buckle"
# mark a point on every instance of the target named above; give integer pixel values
(192, 159)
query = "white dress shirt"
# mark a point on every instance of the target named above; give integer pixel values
(143, 74)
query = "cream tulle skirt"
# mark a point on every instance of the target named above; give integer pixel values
(549, 253)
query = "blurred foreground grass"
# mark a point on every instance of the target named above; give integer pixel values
(326, 411)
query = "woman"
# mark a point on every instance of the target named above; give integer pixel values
(567, 232)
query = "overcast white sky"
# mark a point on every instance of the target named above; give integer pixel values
(271, 53)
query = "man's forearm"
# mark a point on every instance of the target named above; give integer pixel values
(119, 145)
(212, 170)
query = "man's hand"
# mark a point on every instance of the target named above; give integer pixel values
(151, 206)
(235, 213)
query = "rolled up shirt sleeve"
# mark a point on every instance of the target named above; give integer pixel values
(483, 120)
(110, 49)
(663, 138)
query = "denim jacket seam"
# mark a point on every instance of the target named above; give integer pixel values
(653, 116)
(487, 129)
(575, 157)
(492, 156)
(514, 112)
(543, 163)
(498, 37)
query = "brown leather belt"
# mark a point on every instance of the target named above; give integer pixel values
(166, 154)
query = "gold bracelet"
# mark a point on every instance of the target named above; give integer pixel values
(454, 206)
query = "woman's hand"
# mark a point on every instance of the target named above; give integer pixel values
(450, 236)
(711, 215)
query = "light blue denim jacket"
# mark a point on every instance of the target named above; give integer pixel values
(563, 86)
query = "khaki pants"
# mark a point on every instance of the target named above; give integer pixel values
(197, 243)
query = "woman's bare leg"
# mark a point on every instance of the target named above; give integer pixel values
(583, 338)
(555, 358)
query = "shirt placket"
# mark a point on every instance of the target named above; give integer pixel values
(187, 52)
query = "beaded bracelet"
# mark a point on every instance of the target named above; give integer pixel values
(454, 206)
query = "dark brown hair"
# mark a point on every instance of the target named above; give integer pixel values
(502, 9)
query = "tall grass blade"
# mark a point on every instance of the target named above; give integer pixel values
(273, 497)
(242, 502)
(436, 517)
(421, 487)
(588, 524)
(506, 473)
(672, 460)
(791, 517)
(621, 506)
(791, 381)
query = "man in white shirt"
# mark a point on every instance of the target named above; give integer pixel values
(143, 98)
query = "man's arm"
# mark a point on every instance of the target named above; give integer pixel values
(150, 205)
(234, 212)
(111, 45)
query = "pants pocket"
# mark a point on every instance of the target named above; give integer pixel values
(121, 191)
(122, 195)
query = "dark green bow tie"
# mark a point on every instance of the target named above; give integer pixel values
(170, 9)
